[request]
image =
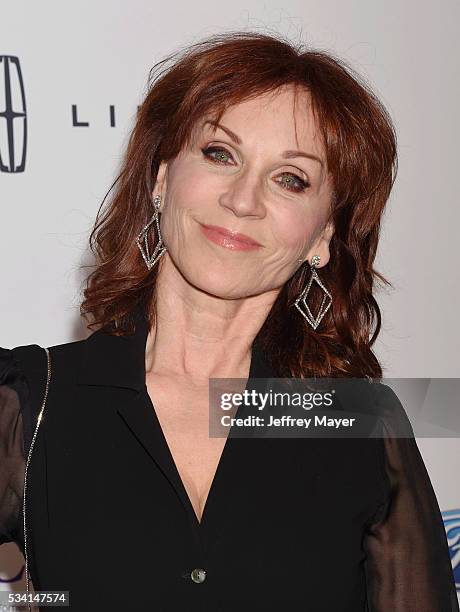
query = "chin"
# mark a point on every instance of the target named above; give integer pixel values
(212, 280)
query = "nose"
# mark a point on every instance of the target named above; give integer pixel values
(243, 196)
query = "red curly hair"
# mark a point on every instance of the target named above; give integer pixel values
(359, 140)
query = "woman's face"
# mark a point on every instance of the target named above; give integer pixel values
(247, 176)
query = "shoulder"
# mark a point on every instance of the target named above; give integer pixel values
(31, 359)
(378, 401)
(392, 413)
(12, 371)
(25, 368)
(24, 373)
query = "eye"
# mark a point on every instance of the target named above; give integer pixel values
(294, 182)
(221, 157)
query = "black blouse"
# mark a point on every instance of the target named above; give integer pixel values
(330, 524)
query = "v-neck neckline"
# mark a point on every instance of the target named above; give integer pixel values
(258, 369)
(119, 361)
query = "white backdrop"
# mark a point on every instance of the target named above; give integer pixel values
(97, 54)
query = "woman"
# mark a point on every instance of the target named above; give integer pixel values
(253, 169)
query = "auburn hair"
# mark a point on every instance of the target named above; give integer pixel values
(205, 79)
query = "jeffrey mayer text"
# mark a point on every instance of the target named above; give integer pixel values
(287, 421)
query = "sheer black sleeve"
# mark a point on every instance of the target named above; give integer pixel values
(13, 392)
(408, 566)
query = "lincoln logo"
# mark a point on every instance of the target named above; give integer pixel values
(13, 117)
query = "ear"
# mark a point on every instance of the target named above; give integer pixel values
(161, 183)
(321, 245)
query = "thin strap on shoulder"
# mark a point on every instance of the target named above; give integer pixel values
(29, 455)
(32, 363)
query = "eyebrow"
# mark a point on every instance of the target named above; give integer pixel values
(286, 154)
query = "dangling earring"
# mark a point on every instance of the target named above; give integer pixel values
(301, 300)
(160, 249)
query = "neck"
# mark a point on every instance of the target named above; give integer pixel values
(197, 335)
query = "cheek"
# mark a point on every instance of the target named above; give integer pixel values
(192, 179)
(181, 202)
(295, 227)
(191, 196)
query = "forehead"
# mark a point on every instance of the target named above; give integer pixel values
(285, 114)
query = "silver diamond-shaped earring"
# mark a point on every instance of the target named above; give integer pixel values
(143, 242)
(301, 301)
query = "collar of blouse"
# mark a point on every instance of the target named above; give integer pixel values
(119, 361)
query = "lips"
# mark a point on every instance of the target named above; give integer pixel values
(234, 236)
